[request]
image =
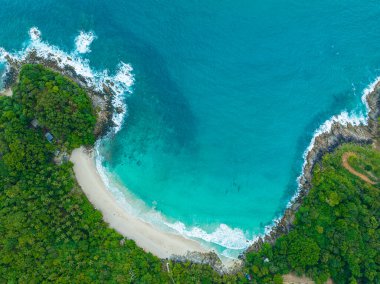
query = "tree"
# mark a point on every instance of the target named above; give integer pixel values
(302, 251)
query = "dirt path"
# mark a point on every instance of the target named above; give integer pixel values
(347, 166)
(293, 279)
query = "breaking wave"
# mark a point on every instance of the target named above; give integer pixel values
(230, 239)
(224, 235)
(344, 118)
(83, 42)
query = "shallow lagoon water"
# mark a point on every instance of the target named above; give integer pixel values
(226, 99)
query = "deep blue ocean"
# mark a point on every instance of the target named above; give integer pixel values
(226, 98)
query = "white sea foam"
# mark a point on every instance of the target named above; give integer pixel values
(125, 82)
(34, 33)
(370, 88)
(83, 41)
(225, 236)
(3, 54)
(344, 118)
(120, 83)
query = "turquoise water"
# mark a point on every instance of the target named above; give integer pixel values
(226, 99)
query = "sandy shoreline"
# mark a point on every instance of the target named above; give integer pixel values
(159, 243)
(6, 92)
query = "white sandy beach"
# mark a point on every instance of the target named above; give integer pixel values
(7, 92)
(159, 243)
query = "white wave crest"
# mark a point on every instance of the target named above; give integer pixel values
(344, 118)
(34, 33)
(231, 239)
(125, 81)
(83, 41)
(370, 88)
(120, 83)
(223, 235)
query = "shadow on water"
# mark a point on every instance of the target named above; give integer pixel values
(157, 110)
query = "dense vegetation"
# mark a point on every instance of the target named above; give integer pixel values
(58, 104)
(336, 230)
(49, 232)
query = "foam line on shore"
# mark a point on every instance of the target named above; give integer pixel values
(344, 118)
(223, 235)
(158, 242)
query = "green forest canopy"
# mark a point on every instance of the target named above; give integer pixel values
(336, 232)
(58, 104)
(51, 233)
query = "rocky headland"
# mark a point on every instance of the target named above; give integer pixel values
(101, 99)
(326, 142)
